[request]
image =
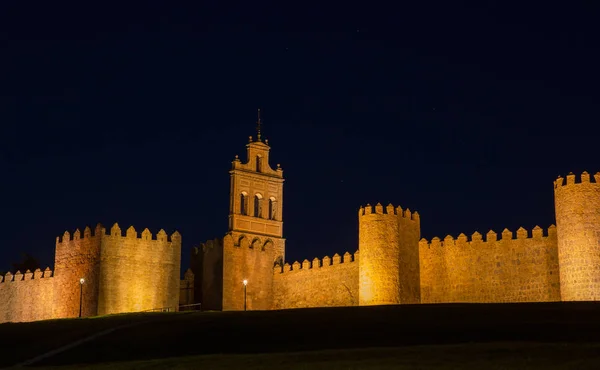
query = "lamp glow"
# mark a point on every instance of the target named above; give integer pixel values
(81, 281)
(245, 282)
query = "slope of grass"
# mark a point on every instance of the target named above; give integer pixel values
(252, 332)
(21, 341)
(489, 356)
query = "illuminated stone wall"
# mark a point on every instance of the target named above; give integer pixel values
(77, 256)
(132, 273)
(409, 230)
(27, 297)
(121, 273)
(139, 273)
(577, 204)
(389, 264)
(521, 269)
(249, 257)
(320, 283)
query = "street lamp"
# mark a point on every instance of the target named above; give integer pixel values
(81, 281)
(245, 285)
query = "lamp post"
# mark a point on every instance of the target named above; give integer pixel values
(245, 285)
(81, 281)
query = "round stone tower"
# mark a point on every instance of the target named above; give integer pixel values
(577, 205)
(379, 262)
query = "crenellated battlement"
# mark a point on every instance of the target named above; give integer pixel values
(99, 230)
(116, 232)
(390, 209)
(28, 275)
(316, 263)
(491, 236)
(572, 179)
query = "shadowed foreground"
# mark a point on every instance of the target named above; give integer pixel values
(164, 336)
(436, 357)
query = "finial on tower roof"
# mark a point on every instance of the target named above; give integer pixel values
(258, 124)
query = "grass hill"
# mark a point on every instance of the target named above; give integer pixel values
(496, 329)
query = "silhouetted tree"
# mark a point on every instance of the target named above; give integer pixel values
(27, 263)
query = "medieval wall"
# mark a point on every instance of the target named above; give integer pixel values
(207, 267)
(139, 273)
(248, 257)
(409, 234)
(186, 288)
(320, 283)
(27, 297)
(577, 204)
(521, 269)
(388, 241)
(77, 256)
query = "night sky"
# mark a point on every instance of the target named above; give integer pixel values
(133, 115)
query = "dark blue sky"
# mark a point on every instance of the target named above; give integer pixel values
(133, 115)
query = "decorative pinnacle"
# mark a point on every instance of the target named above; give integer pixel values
(258, 124)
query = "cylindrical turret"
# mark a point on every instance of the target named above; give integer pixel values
(577, 208)
(379, 262)
(77, 257)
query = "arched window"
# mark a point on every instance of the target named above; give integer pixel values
(272, 208)
(258, 205)
(244, 203)
(258, 163)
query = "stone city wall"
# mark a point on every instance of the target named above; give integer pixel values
(248, 257)
(26, 297)
(521, 269)
(139, 273)
(577, 205)
(77, 256)
(388, 240)
(320, 283)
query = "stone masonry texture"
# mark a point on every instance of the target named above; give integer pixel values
(521, 269)
(318, 283)
(577, 205)
(121, 274)
(27, 297)
(139, 273)
(379, 265)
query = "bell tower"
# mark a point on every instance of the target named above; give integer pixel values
(256, 192)
(254, 242)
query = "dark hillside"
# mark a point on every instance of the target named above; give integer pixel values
(184, 334)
